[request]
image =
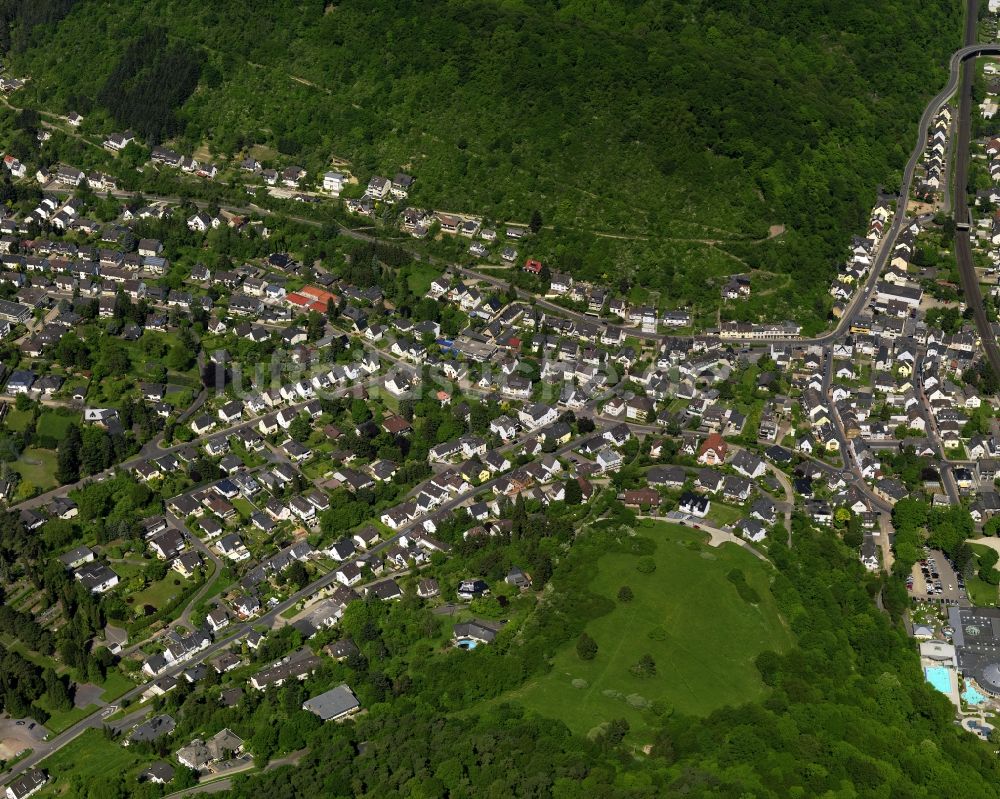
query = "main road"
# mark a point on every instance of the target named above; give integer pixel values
(963, 244)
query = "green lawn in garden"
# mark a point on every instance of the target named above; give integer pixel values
(115, 685)
(17, 421)
(420, 277)
(55, 425)
(162, 592)
(980, 592)
(721, 514)
(37, 467)
(244, 506)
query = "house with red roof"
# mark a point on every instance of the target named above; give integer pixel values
(712, 451)
(533, 266)
(394, 425)
(312, 298)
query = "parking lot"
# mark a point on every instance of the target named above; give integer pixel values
(934, 580)
(16, 735)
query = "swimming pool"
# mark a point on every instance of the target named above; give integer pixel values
(972, 695)
(466, 643)
(939, 677)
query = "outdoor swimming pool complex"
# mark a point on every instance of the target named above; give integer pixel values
(466, 643)
(972, 696)
(939, 677)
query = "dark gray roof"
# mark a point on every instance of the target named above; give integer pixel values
(478, 629)
(160, 770)
(333, 704)
(156, 727)
(27, 783)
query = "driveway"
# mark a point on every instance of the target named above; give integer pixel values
(716, 536)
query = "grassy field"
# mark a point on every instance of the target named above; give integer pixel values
(317, 468)
(60, 720)
(420, 277)
(89, 757)
(37, 467)
(244, 507)
(54, 425)
(677, 405)
(162, 592)
(980, 592)
(16, 420)
(687, 615)
(115, 685)
(722, 514)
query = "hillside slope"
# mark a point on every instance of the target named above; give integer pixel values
(688, 127)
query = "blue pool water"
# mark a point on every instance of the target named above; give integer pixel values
(938, 677)
(972, 696)
(466, 643)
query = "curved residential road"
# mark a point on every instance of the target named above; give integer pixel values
(716, 536)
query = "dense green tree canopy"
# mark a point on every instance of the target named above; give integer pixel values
(689, 127)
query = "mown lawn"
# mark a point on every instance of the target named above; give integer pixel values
(60, 720)
(54, 425)
(37, 467)
(162, 592)
(677, 405)
(17, 421)
(702, 636)
(721, 514)
(420, 277)
(115, 685)
(980, 592)
(318, 467)
(244, 506)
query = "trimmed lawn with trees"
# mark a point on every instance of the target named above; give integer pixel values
(685, 609)
(56, 425)
(17, 421)
(162, 592)
(37, 468)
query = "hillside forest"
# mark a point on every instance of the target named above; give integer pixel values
(660, 142)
